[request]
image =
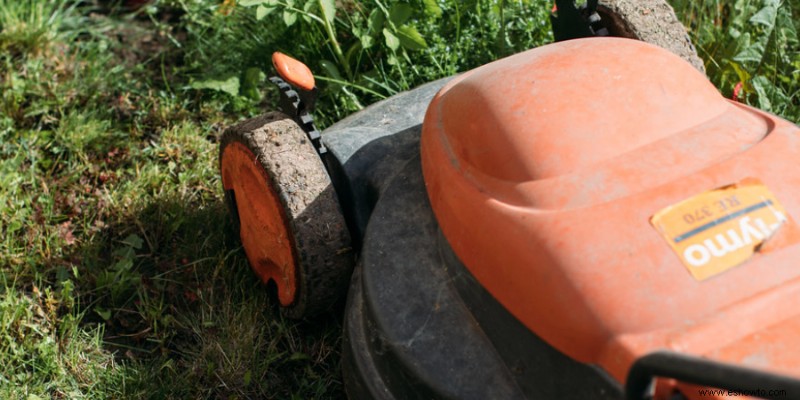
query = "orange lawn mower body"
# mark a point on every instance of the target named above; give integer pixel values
(653, 215)
(587, 219)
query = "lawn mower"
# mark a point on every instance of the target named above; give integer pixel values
(589, 219)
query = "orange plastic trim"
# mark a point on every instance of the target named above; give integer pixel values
(293, 71)
(264, 227)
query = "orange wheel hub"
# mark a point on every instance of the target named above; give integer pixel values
(264, 227)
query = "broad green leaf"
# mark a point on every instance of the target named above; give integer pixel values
(103, 313)
(229, 86)
(771, 98)
(399, 13)
(766, 16)
(352, 52)
(410, 38)
(785, 24)
(14, 226)
(432, 8)
(307, 14)
(764, 88)
(753, 53)
(376, 21)
(123, 265)
(497, 10)
(250, 3)
(124, 252)
(391, 40)
(328, 10)
(734, 33)
(331, 69)
(366, 41)
(741, 73)
(133, 240)
(263, 11)
(289, 17)
(248, 377)
(469, 4)
(252, 78)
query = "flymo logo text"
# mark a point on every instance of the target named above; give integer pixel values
(722, 228)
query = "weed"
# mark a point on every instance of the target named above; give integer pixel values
(368, 50)
(754, 43)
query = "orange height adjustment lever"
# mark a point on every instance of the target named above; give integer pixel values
(293, 71)
(298, 95)
(297, 85)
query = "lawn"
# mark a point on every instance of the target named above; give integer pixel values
(121, 274)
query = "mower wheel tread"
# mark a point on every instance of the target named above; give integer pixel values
(321, 241)
(651, 21)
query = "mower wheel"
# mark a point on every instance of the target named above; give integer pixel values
(287, 213)
(651, 21)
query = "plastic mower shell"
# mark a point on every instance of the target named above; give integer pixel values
(585, 220)
(652, 215)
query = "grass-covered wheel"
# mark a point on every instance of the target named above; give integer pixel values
(287, 213)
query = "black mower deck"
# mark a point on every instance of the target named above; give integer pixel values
(415, 316)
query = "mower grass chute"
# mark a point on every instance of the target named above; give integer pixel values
(588, 219)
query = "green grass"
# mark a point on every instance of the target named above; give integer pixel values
(752, 42)
(121, 276)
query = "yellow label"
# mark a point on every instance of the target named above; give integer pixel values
(722, 228)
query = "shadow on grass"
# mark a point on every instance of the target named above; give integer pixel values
(186, 317)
